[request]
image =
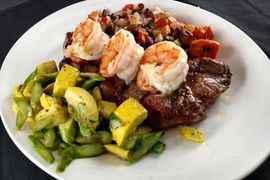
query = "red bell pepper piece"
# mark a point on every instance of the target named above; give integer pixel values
(103, 20)
(160, 23)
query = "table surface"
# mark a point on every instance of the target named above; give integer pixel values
(17, 16)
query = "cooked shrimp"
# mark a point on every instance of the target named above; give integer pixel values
(89, 42)
(163, 68)
(122, 57)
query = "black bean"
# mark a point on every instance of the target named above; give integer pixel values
(185, 37)
(147, 13)
(115, 17)
(68, 39)
(62, 63)
(150, 41)
(109, 30)
(141, 6)
(169, 38)
(176, 33)
(104, 12)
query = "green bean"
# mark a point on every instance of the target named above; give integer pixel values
(115, 121)
(104, 137)
(63, 163)
(38, 134)
(158, 148)
(87, 150)
(144, 144)
(49, 138)
(67, 157)
(93, 76)
(29, 78)
(23, 111)
(88, 84)
(60, 151)
(84, 130)
(68, 131)
(44, 78)
(56, 143)
(36, 92)
(45, 153)
(130, 142)
(20, 120)
(88, 140)
(64, 145)
(40, 124)
(73, 152)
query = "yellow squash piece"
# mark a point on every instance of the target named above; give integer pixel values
(116, 150)
(191, 134)
(56, 113)
(46, 101)
(16, 91)
(106, 108)
(28, 88)
(131, 113)
(76, 96)
(30, 120)
(66, 78)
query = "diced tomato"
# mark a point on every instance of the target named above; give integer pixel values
(204, 48)
(169, 23)
(103, 20)
(129, 6)
(203, 32)
(165, 30)
(160, 23)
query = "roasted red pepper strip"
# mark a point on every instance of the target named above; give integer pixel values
(204, 48)
(203, 32)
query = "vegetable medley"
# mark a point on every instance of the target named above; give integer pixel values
(66, 113)
(65, 109)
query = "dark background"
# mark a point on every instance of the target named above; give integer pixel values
(17, 16)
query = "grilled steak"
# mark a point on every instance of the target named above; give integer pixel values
(206, 80)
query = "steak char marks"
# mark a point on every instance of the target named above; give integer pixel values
(206, 80)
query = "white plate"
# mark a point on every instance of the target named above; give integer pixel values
(236, 130)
